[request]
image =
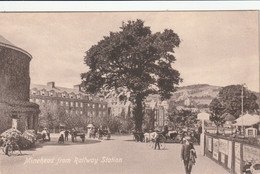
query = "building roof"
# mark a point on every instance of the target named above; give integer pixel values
(5, 43)
(56, 89)
(62, 89)
(247, 120)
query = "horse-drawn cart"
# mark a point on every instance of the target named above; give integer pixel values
(76, 134)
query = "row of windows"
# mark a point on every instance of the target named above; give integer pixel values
(67, 103)
(63, 94)
(77, 112)
(90, 113)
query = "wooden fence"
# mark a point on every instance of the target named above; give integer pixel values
(231, 153)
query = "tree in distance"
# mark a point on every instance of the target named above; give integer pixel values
(136, 59)
(229, 100)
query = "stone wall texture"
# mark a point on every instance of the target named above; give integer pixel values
(15, 90)
(14, 75)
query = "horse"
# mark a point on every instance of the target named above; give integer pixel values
(149, 136)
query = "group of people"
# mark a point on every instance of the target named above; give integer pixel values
(64, 135)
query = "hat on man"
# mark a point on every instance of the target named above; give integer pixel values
(188, 138)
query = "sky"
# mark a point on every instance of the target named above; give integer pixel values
(217, 47)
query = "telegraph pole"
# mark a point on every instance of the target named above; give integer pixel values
(242, 105)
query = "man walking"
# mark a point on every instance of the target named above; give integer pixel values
(157, 140)
(188, 154)
(66, 135)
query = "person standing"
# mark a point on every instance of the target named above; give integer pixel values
(157, 140)
(66, 135)
(188, 154)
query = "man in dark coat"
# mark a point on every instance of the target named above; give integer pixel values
(66, 135)
(187, 147)
(157, 140)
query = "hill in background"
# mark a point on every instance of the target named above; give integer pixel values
(195, 96)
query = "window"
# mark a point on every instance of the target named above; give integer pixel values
(81, 105)
(31, 100)
(51, 93)
(64, 95)
(88, 105)
(61, 103)
(99, 105)
(104, 106)
(81, 112)
(67, 103)
(42, 92)
(93, 106)
(77, 104)
(71, 104)
(37, 101)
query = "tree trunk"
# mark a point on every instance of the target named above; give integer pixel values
(138, 113)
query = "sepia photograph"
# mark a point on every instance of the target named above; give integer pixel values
(140, 92)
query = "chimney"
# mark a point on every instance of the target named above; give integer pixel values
(51, 84)
(77, 87)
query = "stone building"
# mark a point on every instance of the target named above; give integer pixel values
(15, 108)
(73, 100)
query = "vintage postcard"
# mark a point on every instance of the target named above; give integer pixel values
(167, 92)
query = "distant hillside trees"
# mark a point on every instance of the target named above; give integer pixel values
(229, 100)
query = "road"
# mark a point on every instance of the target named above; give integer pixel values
(120, 155)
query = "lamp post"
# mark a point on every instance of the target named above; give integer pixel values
(242, 105)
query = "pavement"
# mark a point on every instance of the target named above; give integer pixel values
(120, 155)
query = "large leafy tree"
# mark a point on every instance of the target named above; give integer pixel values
(229, 100)
(217, 110)
(183, 118)
(136, 59)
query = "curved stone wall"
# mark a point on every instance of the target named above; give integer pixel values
(14, 75)
(15, 90)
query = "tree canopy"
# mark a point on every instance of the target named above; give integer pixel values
(184, 118)
(136, 59)
(229, 100)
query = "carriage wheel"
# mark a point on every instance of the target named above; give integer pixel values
(150, 144)
(8, 149)
(162, 145)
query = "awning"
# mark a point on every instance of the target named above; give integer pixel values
(247, 120)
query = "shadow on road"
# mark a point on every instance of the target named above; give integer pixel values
(130, 140)
(66, 143)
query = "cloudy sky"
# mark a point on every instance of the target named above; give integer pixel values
(218, 47)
